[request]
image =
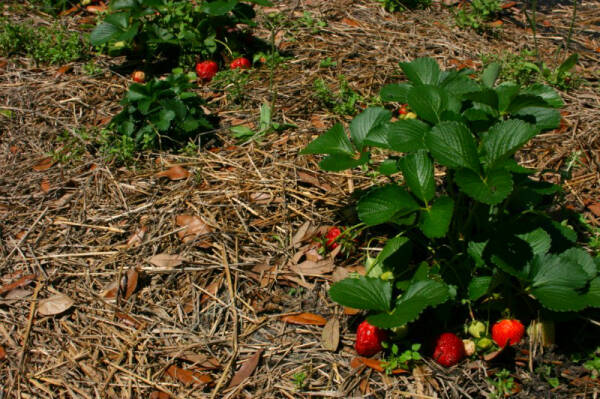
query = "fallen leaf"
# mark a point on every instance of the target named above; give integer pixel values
(300, 234)
(159, 395)
(69, 11)
(136, 238)
(96, 9)
(23, 281)
(212, 288)
(311, 268)
(127, 286)
(3, 64)
(54, 305)
(188, 377)
(496, 24)
(305, 318)
(175, 173)
(62, 70)
(351, 22)
(351, 311)
(2, 353)
(595, 209)
(166, 261)
(18, 293)
(547, 23)
(330, 337)
(261, 198)
(13, 149)
(492, 355)
(246, 369)
(202, 362)
(43, 164)
(45, 185)
(509, 4)
(194, 227)
(371, 363)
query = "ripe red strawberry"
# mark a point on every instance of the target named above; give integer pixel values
(138, 76)
(508, 331)
(368, 339)
(242, 63)
(206, 69)
(449, 350)
(331, 235)
(403, 110)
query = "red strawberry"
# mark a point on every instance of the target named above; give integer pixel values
(449, 350)
(138, 76)
(206, 69)
(368, 339)
(403, 110)
(508, 331)
(331, 235)
(242, 63)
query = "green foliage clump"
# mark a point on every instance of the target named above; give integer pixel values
(397, 5)
(45, 45)
(478, 14)
(174, 30)
(483, 234)
(342, 102)
(158, 114)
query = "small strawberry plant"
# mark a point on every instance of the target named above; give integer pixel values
(482, 231)
(176, 30)
(158, 114)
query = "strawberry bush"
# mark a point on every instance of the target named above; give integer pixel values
(179, 30)
(484, 233)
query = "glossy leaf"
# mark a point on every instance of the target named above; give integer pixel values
(453, 145)
(436, 219)
(363, 293)
(504, 139)
(417, 169)
(384, 203)
(491, 190)
(333, 141)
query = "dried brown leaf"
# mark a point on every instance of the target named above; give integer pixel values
(127, 286)
(189, 377)
(136, 238)
(351, 311)
(159, 395)
(18, 293)
(21, 282)
(45, 185)
(43, 164)
(54, 305)
(2, 353)
(300, 234)
(330, 337)
(310, 268)
(175, 173)
(62, 70)
(166, 261)
(305, 318)
(246, 369)
(350, 22)
(595, 208)
(194, 228)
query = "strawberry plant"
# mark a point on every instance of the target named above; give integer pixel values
(178, 30)
(483, 233)
(160, 113)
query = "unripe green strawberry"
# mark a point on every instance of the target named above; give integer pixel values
(484, 343)
(476, 329)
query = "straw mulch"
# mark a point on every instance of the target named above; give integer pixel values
(150, 307)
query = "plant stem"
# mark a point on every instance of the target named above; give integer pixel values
(571, 28)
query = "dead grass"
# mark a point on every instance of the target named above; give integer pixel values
(73, 224)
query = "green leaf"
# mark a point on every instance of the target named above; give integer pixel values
(548, 94)
(391, 247)
(407, 135)
(384, 203)
(165, 117)
(363, 293)
(506, 92)
(337, 162)
(219, 7)
(428, 102)
(419, 296)
(510, 253)
(103, 33)
(539, 241)
(490, 74)
(241, 132)
(333, 141)
(556, 280)
(435, 220)
(545, 118)
(592, 298)
(365, 122)
(478, 287)
(485, 96)
(504, 139)
(497, 185)
(583, 259)
(568, 64)
(457, 85)
(395, 93)
(265, 117)
(389, 167)
(453, 145)
(422, 71)
(417, 169)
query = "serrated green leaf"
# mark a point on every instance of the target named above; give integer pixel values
(419, 296)
(506, 92)
(417, 169)
(492, 190)
(504, 139)
(478, 287)
(539, 241)
(547, 93)
(337, 162)
(395, 93)
(429, 102)
(453, 145)
(384, 203)
(568, 64)
(435, 221)
(333, 141)
(556, 280)
(583, 259)
(475, 251)
(392, 246)
(363, 293)
(389, 167)
(545, 118)
(103, 33)
(422, 71)
(219, 7)
(490, 74)
(407, 135)
(365, 122)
